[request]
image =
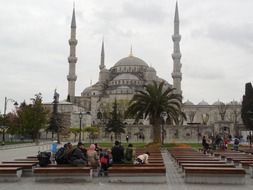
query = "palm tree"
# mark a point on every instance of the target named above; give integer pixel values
(151, 102)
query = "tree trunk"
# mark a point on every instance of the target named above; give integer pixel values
(36, 138)
(156, 132)
(250, 139)
(58, 137)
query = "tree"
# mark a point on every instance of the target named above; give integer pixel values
(93, 132)
(247, 108)
(12, 123)
(33, 117)
(115, 124)
(74, 131)
(151, 102)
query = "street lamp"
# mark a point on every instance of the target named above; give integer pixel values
(80, 127)
(164, 116)
(81, 114)
(4, 119)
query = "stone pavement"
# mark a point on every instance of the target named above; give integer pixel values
(174, 179)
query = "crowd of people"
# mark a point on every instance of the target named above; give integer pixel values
(218, 142)
(97, 157)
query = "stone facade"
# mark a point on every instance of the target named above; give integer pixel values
(129, 75)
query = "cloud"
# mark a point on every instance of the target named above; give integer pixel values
(216, 43)
(151, 13)
(239, 35)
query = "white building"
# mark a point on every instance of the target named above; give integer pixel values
(130, 74)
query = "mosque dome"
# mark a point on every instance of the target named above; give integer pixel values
(203, 103)
(217, 103)
(188, 103)
(131, 61)
(233, 103)
(151, 69)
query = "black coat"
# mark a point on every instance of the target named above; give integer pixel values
(117, 154)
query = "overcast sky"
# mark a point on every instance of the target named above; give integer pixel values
(216, 45)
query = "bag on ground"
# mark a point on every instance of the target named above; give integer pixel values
(44, 158)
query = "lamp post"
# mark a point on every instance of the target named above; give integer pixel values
(81, 114)
(164, 116)
(80, 126)
(4, 119)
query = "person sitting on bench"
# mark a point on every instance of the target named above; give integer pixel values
(78, 157)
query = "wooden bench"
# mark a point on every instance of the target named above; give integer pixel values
(196, 159)
(62, 174)
(26, 168)
(215, 165)
(141, 165)
(155, 161)
(20, 162)
(201, 162)
(26, 159)
(245, 164)
(217, 175)
(10, 174)
(137, 174)
(34, 157)
(237, 160)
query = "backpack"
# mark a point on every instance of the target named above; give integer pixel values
(129, 154)
(44, 158)
(104, 160)
(60, 156)
(237, 141)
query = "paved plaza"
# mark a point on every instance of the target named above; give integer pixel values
(174, 179)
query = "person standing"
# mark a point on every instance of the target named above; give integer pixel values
(127, 138)
(93, 156)
(205, 145)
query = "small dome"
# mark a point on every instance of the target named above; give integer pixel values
(188, 103)
(151, 69)
(233, 103)
(203, 103)
(126, 76)
(131, 61)
(217, 103)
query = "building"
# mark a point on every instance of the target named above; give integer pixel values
(128, 75)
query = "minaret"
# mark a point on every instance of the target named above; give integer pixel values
(176, 55)
(131, 52)
(103, 73)
(72, 59)
(102, 61)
